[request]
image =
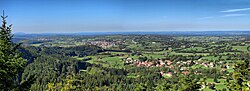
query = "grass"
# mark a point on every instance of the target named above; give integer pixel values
(194, 48)
(132, 75)
(240, 48)
(213, 58)
(134, 57)
(230, 53)
(154, 56)
(230, 70)
(113, 53)
(104, 60)
(210, 80)
(114, 62)
(218, 86)
(136, 47)
(207, 89)
(187, 54)
(36, 45)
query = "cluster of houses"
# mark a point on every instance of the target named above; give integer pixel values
(158, 63)
(169, 74)
(103, 44)
(182, 65)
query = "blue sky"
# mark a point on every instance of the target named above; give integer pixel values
(70, 16)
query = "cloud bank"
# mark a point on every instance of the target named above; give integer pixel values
(235, 10)
(233, 15)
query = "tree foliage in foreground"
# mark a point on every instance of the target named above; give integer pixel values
(240, 77)
(11, 61)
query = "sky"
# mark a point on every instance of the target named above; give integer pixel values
(72, 16)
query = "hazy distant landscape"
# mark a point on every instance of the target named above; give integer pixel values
(205, 59)
(125, 45)
(208, 33)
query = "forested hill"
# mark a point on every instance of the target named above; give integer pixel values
(52, 64)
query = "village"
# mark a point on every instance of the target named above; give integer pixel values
(181, 66)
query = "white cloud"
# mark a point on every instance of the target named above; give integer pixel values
(235, 10)
(226, 15)
(233, 15)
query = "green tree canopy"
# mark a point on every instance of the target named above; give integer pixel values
(11, 61)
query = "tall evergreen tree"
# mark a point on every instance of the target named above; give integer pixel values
(11, 61)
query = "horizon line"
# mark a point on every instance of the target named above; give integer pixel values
(20, 33)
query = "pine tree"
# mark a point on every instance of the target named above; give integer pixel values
(11, 62)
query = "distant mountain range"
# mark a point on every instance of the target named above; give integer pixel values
(203, 33)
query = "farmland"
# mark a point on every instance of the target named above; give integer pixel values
(207, 62)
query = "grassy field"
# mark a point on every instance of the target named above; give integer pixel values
(194, 48)
(213, 57)
(240, 48)
(218, 86)
(114, 53)
(35, 45)
(104, 60)
(135, 47)
(230, 70)
(186, 54)
(113, 62)
(154, 56)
